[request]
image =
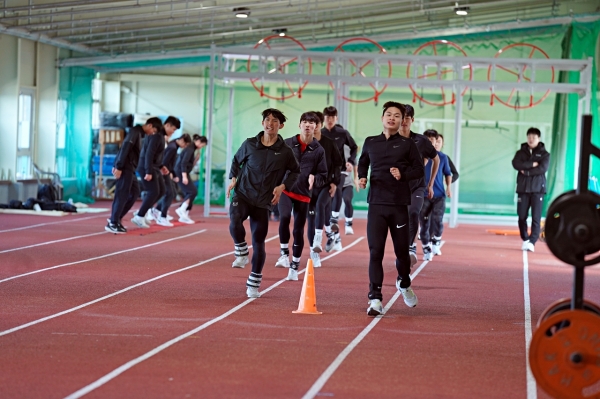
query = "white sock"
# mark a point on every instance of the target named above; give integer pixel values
(327, 229)
(335, 215)
(348, 219)
(319, 231)
(284, 246)
(294, 259)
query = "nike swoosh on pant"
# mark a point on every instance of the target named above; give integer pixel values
(399, 227)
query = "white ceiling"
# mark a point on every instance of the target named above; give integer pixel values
(112, 27)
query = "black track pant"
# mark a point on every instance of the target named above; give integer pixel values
(347, 195)
(533, 201)
(190, 192)
(319, 211)
(336, 203)
(300, 209)
(154, 189)
(127, 191)
(167, 199)
(432, 219)
(414, 212)
(380, 220)
(239, 210)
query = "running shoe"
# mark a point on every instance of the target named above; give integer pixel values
(525, 245)
(330, 242)
(283, 261)
(115, 228)
(530, 247)
(375, 307)
(338, 242)
(427, 254)
(240, 261)
(292, 275)
(161, 221)
(349, 229)
(316, 258)
(252, 292)
(185, 218)
(410, 299)
(437, 249)
(317, 246)
(412, 251)
(140, 222)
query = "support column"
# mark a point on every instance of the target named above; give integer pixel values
(456, 155)
(229, 152)
(208, 165)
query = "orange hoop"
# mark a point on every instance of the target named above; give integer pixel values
(434, 44)
(292, 92)
(517, 104)
(359, 69)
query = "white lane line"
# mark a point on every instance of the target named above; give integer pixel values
(531, 384)
(105, 297)
(52, 242)
(120, 370)
(46, 224)
(322, 380)
(100, 257)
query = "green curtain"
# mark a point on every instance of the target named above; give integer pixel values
(580, 42)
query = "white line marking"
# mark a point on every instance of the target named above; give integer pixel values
(120, 370)
(84, 305)
(531, 384)
(52, 242)
(322, 380)
(100, 257)
(46, 224)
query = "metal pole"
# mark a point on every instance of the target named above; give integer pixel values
(456, 156)
(208, 165)
(229, 153)
(583, 107)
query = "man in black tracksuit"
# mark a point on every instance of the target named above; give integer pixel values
(313, 173)
(394, 161)
(419, 189)
(320, 202)
(341, 137)
(531, 161)
(261, 169)
(127, 189)
(151, 169)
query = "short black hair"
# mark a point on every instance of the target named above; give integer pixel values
(173, 121)
(441, 136)
(394, 104)
(534, 130)
(185, 137)
(202, 139)
(431, 133)
(276, 113)
(410, 111)
(155, 122)
(330, 111)
(320, 116)
(309, 117)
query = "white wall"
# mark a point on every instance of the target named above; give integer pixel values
(27, 64)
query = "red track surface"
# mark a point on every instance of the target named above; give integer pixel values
(465, 339)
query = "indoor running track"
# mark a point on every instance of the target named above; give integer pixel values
(160, 313)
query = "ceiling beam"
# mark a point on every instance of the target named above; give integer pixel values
(25, 34)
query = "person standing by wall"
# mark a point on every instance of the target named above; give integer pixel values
(531, 163)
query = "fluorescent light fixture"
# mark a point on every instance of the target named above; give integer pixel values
(464, 10)
(241, 12)
(280, 31)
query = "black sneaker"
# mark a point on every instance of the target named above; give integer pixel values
(115, 228)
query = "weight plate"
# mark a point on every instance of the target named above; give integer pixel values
(564, 355)
(565, 304)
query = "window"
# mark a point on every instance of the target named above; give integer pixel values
(25, 133)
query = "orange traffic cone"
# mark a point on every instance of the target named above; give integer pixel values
(308, 299)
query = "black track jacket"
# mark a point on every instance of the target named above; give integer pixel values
(334, 160)
(312, 162)
(427, 150)
(170, 156)
(381, 154)
(260, 169)
(341, 136)
(185, 160)
(129, 154)
(534, 179)
(152, 154)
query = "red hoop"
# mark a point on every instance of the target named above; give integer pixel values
(512, 72)
(433, 44)
(261, 89)
(375, 97)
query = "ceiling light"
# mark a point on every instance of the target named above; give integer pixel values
(241, 12)
(464, 10)
(280, 31)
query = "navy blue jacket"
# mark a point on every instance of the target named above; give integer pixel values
(129, 153)
(312, 162)
(185, 160)
(152, 154)
(260, 169)
(170, 156)
(381, 154)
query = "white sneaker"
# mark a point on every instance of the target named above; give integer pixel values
(427, 254)
(316, 258)
(530, 247)
(338, 242)
(375, 307)
(155, 213)
(140, 222)
(180, 212)
(149, 216)
(317, 246)
(161, 221)
(169, 217)
(524, 246)
(186, 219)
(410, 299)
(283, 261)
(240, 261)
(437, 249)
(292, 275)
(413, 258)
(349, 230)
(252, 292)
